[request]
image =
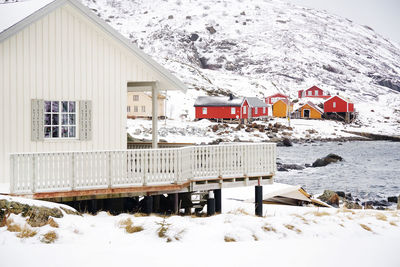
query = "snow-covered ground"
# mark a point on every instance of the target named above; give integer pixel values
(285, 236)
(188, 131)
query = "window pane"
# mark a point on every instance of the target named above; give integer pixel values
(64, 131)
(72, 131)
(72, 106)
(71, 119)
(47, 119)
(54, 119)
(47, 106)
(64, 119)
(54, 106)
(64, 107)
(47, 132)
(54, 132)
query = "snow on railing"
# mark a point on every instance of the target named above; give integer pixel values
(66, 171)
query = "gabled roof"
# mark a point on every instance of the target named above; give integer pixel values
(256, 102)
(312, 105)
(218, 101)
(278, 95)
(16, 16)
(314, 87)
(341, 97)
(284, 101)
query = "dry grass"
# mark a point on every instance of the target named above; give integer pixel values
(341, 224)
(26, 232)
(305, 221)
(229, 239)
(52, 223)
(346, 211)
(366, 227)
(268, 228)
(293, 228)
(162, 231)
(239, 211)
(255, 237)
(130, 229)
(12, 227)
(392, 223)
(49, 237)
(381, 217)
(321, 213)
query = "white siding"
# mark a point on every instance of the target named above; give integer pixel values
(66, 56)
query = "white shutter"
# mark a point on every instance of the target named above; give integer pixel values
(37, 119)
(85, 120)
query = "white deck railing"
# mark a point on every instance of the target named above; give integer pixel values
(66, 171)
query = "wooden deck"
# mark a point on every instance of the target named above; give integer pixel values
(105, 174)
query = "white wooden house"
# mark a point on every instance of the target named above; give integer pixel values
(64, 78)
(140, 103)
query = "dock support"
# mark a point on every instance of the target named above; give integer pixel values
(148, 205)
(210, 203)
(258, 200)
(156, 203)
(218, 200)
(176, 203)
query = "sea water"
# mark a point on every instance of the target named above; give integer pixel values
(370, 170)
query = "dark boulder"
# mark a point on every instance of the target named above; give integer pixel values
(331, 158)
(352, 205)
(211, 30)
(287, 142)
(330, 197)
(392, 199)
(194, 37)
(292, 166)
(341, 194)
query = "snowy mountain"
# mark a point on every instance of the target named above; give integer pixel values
(261, 47)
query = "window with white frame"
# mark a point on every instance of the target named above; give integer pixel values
(135, 108)
(135, 97)
(143, 108)
(264, 110)
(60, 119)
(309, 92)
(256, 111)
(204, 111)
(233, 110)
(129, 108)
(244, 110)
(334, 104)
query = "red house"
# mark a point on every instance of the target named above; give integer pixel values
(273, 98)
(338, 104)
(221, 107)
(257, 108)
(313, 92)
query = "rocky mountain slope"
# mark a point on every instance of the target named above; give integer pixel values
(261, 47)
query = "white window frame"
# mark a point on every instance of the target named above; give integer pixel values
(135, 108)
(204, 111)
(334, 104)
(309, 93)
(244, 109)
(255, 110)
(264, 109)
(143, 108)
(128, 109)
(135, 97)
(233, 110)
(60, 125)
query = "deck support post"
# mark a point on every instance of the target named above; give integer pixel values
(156, 203)
(154, 106)
(176, 203)
(148, 205)
(218, 200)
(210, 203)
(258, 200)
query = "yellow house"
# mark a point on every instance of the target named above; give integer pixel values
(139, 105)
(310, 111)
(280, 108)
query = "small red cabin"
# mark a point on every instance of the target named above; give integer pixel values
(257, 108)
(273, 98)
(338, 104)
(313, 92)
(221, 107)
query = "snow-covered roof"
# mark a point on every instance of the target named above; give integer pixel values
(218, 101)
(341, 97)
(313, 106)
(12, 13)
(256, 102)
(16, 16)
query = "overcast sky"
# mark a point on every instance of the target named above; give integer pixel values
(381, 15)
